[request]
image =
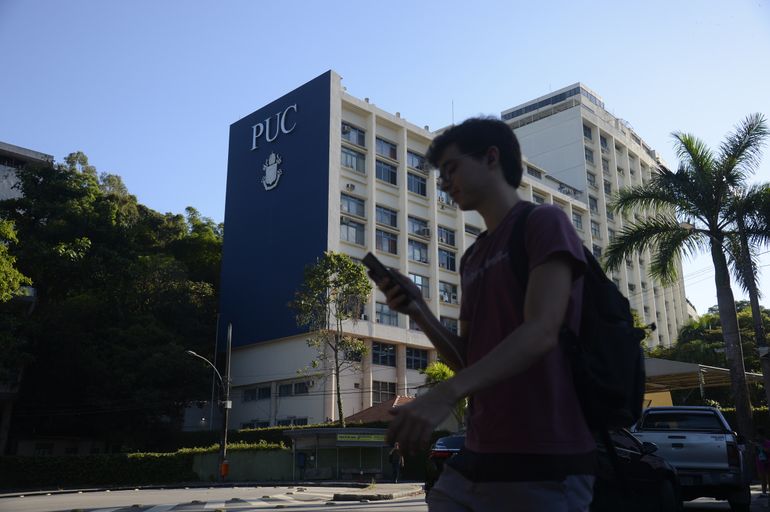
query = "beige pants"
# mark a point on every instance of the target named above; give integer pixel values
(455, 493)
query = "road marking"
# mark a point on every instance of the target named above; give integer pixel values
(161, 508)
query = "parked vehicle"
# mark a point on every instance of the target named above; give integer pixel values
(643, 481)
(702, 447)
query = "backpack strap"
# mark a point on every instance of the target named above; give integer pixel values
(517, 248)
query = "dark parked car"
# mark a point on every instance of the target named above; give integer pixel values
(647, 482)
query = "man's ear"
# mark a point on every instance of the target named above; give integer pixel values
(493, 155)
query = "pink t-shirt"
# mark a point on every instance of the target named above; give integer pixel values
(537, 411)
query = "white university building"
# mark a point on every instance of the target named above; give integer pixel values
(320, 170)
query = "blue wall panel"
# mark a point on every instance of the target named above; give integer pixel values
(271, 235)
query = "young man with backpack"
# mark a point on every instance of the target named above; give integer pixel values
(528, 445)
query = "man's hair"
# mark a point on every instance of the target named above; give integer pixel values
(477, 134)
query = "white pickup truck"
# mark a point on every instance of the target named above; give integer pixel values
(702, 447)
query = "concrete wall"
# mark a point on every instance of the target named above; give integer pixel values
(254, 465)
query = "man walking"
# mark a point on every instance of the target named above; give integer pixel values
(527, 446)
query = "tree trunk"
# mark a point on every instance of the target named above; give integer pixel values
(732, 339)
(337, 387)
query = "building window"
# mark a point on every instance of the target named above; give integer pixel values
(352, 205)
(386, 149)
(443, 197)
(593, 204)
(611, 234)
(351, 231)
(587, 132)
(577, 220)
(387, 241)
(591, 178)
(446, 236)
(416, 184)
(537, 198)
(534, 172)
(605, 165)
(472, 230)
(447, 292)
(418, 227)
(607, 187)
(353, 160)
(385, 315)
(301, 388)
(383, 354)
(446, 259)
(589, 156)
(383, 391)
(263, 393)
(610, 215)
(418, 251)
(386, 172)
(603, 142)
(451, 324)
(250, 395)
(597, 251)
(387, 216)
(416, 359)
(352, 134)
(595, 230)
(287, 422)
(422, 283)
(621, 171)
(415, 161)
(284, 389)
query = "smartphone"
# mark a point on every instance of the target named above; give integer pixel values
(380, 271)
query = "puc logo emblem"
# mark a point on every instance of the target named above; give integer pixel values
(271, 128)
(272, 172)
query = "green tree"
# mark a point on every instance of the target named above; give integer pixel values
(749, 208)
(118, 302)
(688, 214)
(333, 292)
(438, 372)
(11, 280)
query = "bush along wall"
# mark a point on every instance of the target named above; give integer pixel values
(110, 470)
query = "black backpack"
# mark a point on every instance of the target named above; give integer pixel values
(606, 356)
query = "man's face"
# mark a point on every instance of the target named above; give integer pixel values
(459, 175)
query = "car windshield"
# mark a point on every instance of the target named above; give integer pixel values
(682, 421)
(450, 443)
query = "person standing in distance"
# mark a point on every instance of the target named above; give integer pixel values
(527, 446)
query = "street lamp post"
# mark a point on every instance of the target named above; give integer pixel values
(224, 402)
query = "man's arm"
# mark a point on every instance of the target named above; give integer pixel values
(450, 347)
(545, 306)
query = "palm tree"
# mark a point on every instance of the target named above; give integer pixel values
(688, 213)
(750, 208)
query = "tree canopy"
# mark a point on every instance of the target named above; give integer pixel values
(122, 291)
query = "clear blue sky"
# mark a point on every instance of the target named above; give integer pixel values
(148, 89)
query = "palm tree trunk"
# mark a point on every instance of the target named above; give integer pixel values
(756, 312)
(732, 338)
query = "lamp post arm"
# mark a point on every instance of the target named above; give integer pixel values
(219, 375)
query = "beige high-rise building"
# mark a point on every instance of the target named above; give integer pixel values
(570, 133)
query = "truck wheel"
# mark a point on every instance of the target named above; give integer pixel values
(669, 500)
(740, 501)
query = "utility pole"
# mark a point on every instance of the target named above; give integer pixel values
(224, 466)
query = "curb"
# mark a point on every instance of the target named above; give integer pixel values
(376, 496)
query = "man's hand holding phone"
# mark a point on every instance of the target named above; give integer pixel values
(401, 293)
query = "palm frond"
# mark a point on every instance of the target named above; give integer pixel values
(743, 264)
(741, 151)
(648, 234)
(670, 247)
